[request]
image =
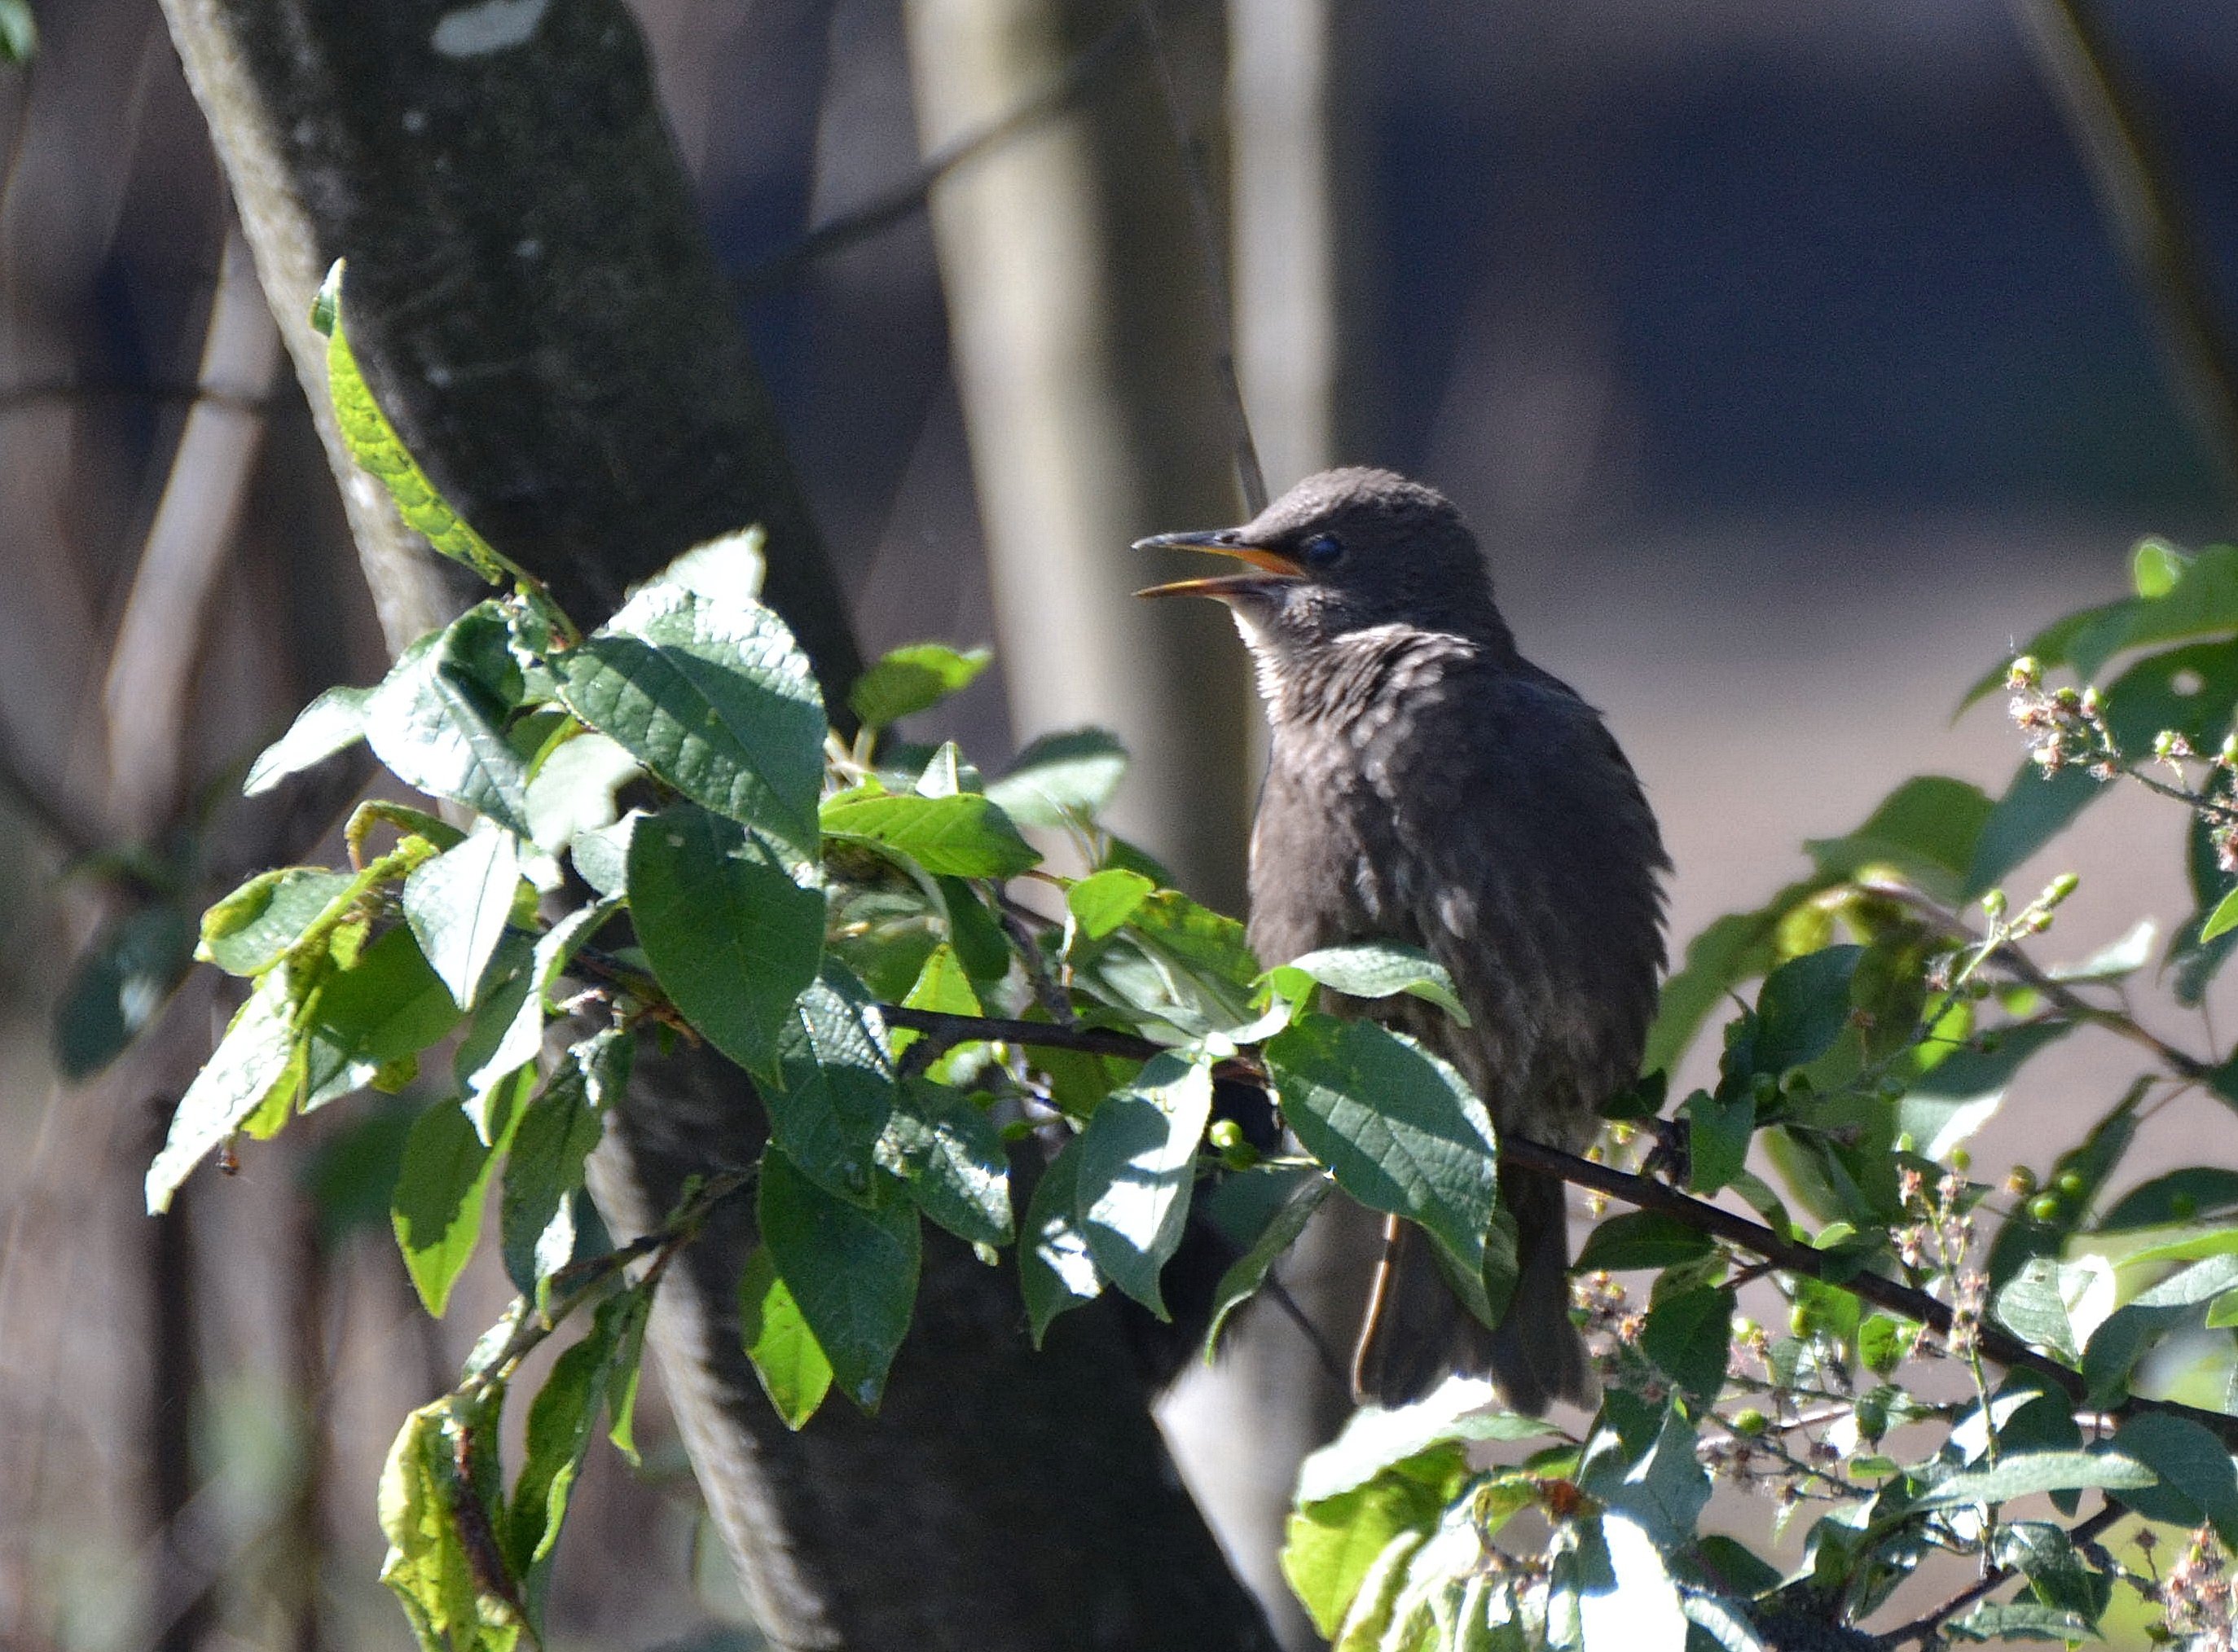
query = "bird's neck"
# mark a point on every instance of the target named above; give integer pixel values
(1337, 681)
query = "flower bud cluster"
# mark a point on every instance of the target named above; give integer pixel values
(2197, 1596)
(2063, 725)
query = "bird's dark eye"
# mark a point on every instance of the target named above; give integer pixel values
(1322, 551)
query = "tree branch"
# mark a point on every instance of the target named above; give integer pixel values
(1789, 1255)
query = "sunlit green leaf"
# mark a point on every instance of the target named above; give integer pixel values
(331, 722)
(561, 1420)
(1061, 779)
(718, 700)
(386, 1006)
(950, 1155)
(1636, 1239)
(261, 1055)
(543, 1173)
(831, 1111)
(1333, 1545)
(912, 679)
(1399, 1128)
(246, 933)
(457, 904)
(1379, 969)
(1137, 1163)
(376, 447)
(2019, 1474)
(1056, 1272)
(437, 1208)
(961, 836)
(1101, 902)
(1375, 1439)
(792, 1367)
(437, 720)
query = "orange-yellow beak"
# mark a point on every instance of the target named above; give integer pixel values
(1273, 565)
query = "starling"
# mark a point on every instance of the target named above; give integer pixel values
(1428, 785)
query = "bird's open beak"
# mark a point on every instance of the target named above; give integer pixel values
(1273, 564)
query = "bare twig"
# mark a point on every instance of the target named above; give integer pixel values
(2136, 189)
(890, 207)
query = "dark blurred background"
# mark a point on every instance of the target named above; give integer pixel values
(1782, 356)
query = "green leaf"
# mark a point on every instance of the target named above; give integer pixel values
(1061, 779)
(332, 723)
(2020, 1621)
(572, 793)
(1399, 1130)
(246, 933)
(727, 569)
(1686, 1338)
(1333, 1545)
(543, 1173)
(1729, 951)
(2156, 566)
(950, 1155)
(1642, 1238)
(378, 449)
(2197, 1192)
(19, 32)
(1378, 969)
(851, 1270)
(1100, 903)
(423, 1498)
(457, 904)
(1208, 943)
(912, 679)
(561, 1420)
(2022, 1474)
(959, 836)
(718, 700)
(730, 936)
(1719, 1128)
(1374, 1439)
(1056, 1272)
(1249, 1271)
(437, 1208)
(792, 1367)
(438, 719)
(1138, 1164)
(386, 1006)
(2222, 919)
(831, 1111)
(1803, 1007)
(117, 985)
(2116, 1345)
(1925, 831)
(260, 1057)
(2199, 1481)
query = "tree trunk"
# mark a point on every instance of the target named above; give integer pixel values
(1085, 343)
(534, 298)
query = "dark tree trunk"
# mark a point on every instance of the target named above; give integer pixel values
(535, 299)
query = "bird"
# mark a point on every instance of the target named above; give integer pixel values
(1428, 785)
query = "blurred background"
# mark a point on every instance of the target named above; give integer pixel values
(1784, 358)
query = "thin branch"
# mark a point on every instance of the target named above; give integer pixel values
(883, 211)
(1248, 474)
(32, 392)
(2136, 189)
(1921, 1629)
(2180, 1062)
(1791, 1256)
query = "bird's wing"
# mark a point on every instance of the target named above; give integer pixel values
(1529, 865)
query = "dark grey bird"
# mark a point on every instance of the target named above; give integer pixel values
(1429, 785)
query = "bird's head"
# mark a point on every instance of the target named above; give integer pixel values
(1342, 552)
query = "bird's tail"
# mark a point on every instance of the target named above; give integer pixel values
(1417, 1331)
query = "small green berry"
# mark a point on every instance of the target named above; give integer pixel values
(1750, 1421)
(2021, 1181)
(2070, 1183)
(1960, 1160)
(2044, 1207)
